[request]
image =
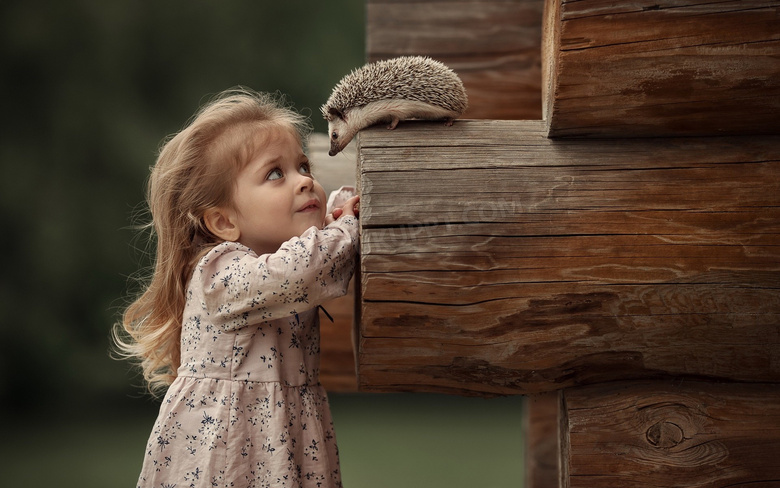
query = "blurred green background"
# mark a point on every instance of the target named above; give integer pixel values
(89, 90)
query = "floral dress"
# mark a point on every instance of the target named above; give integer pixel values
(247, 408)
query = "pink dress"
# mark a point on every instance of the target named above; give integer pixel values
(247, 408)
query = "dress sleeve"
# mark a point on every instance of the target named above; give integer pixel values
(241, 288)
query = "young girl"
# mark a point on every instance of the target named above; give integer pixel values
(245, 253)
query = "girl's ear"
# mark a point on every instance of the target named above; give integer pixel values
(222, 223)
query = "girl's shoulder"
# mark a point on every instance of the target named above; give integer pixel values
(225, 250)
(218, 260)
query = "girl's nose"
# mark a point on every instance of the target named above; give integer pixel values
(305, 183)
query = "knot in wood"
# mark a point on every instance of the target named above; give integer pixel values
(665, 435)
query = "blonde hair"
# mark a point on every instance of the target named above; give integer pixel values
(195, 171)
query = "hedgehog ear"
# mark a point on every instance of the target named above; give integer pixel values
(334, 112)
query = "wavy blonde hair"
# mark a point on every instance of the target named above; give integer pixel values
(195, 171)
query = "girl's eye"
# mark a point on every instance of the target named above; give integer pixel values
(275, 174)
(305, 169)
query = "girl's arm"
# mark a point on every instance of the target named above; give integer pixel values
(241, 288)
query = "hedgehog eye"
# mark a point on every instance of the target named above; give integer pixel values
(335, 135)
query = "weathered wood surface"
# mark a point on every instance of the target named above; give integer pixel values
(661, 68)
(671, 434)
(497, 261)
(493, 45)
(542, 448)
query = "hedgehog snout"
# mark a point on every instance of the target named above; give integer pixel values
(335, 147)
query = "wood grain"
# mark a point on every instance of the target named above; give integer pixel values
(671, 434)
(494, 46)
(497, 261)
(653, 68)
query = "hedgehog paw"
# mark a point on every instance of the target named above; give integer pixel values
(393, 123)
(449, 122)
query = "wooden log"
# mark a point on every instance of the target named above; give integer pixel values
(661, 68)
(671, 434)
(542, 448)
(497, 261)
(494, 45)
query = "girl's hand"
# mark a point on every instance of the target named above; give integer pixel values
(350, 207)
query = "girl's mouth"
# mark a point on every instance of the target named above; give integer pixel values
(310, 206)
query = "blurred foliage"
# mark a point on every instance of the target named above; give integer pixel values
(90, 89)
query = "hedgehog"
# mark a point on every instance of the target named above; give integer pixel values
(407, 87)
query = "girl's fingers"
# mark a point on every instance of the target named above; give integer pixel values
(351, 206)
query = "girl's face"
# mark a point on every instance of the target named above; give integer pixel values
(276, 197)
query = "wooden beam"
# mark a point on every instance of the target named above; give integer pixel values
(661, 68)
(671, 434)
(494, 45)
(497, 261)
